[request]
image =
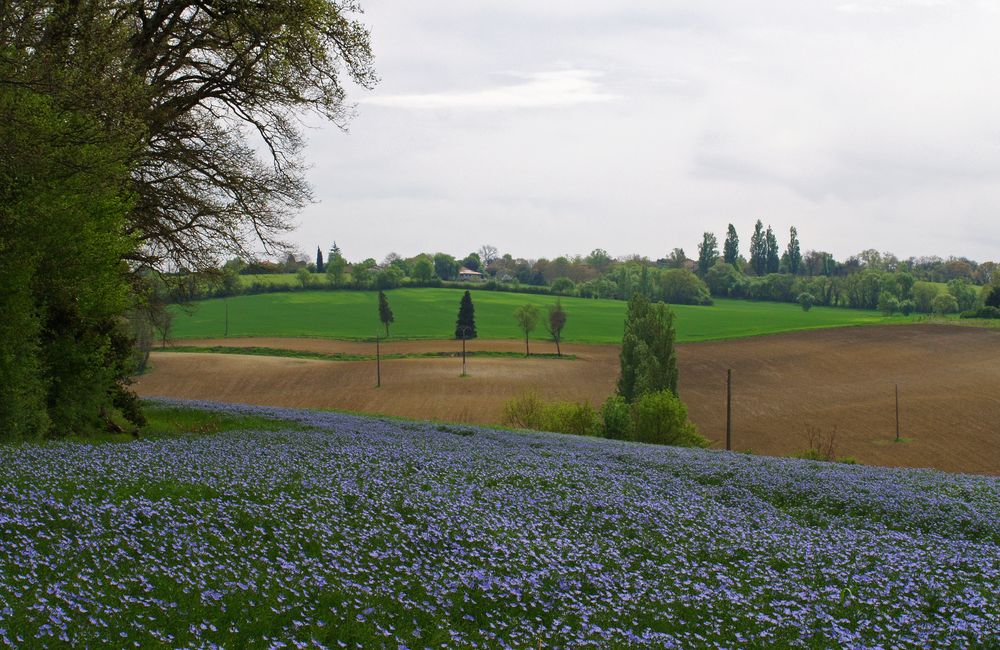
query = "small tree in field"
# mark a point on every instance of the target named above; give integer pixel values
(465, 326)
(385, 312)
(527, 318)
(556, 323)
(806, 300)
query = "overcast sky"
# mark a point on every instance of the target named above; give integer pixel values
(557, 127)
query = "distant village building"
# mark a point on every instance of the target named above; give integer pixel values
(469, 275)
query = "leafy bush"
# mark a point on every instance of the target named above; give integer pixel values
(525, 411)
(888, 304)
(982, 312)
(661, 418)
(923, 296)
(682, 287)
(616, 418)
(528, 411)
(806, 301)
(906, 307)
(944, 303)
(570, 417)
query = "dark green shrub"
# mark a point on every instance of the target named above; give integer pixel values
(906, 307)
(661, 418)
(806, 301)
(571, 417)
(616, 418)
(982, 312)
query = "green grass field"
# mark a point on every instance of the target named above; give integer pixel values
(431, 313)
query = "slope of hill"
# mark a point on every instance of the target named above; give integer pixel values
(431, 313)
(405, 534)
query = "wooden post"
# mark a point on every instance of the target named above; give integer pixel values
(464, 329)
(729, 409)
(226, 335)
(897, 412)
(378, 363)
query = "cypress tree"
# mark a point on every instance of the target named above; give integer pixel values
(793, 252)
(773, 258)
(465, 326)
(384, 312)
(319, 261)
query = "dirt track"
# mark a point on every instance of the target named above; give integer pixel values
(949, 385)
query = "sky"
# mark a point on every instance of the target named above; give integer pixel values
(554, 128)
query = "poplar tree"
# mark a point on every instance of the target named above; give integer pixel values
(772, 255)
(731, 249)
(648, 359)
(708, 252)
(758, 249)
(793, 253)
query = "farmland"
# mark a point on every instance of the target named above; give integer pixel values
(341, 530)
(430, 314)
(840, 381)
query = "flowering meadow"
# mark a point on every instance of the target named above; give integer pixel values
(346, 531)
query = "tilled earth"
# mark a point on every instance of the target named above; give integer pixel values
(835, 383)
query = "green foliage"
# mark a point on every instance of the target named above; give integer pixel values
(556, 323)
(906, 307)
(529, 411)
(660, 417)
(527, 318)
(564, 286)
(986, 311)
(385, 312)
(991, 294)
(431, 312)
(65, 354)
(465, 325)
(648, 359)
(682, 287)
(924, 294)
(731, 248)
(758, 249)
(887, 303)
(862, 289)
(423, 270)
(336, 267)
(793, 255)
(445, 266)
(724, 280)
(773, 257)
(304, 277)
(806, 301)
(965, 294)
(944, 303)
(708, 252)
(616, 418)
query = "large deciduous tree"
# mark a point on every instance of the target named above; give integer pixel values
(556, 323)
(708, 252)
(209, 83)
(772, 256)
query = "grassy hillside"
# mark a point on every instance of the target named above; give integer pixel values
(431, 313)
(344, 531)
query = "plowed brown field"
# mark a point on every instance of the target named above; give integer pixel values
(841, 379)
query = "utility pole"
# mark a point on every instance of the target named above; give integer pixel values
(378, 363)
(729, 409)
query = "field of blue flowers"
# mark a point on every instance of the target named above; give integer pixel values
(367, 533)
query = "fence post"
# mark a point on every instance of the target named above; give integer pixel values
(378, 363)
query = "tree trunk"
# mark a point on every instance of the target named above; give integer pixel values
(526, 351)
(558, 350)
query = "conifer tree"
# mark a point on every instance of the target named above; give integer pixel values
(465, 326)
(793, 253)
(772, 256)
(384, 311)
(319, 261)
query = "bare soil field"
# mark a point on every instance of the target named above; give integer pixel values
(835, 381)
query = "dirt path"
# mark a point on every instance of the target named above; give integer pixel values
(841, 379)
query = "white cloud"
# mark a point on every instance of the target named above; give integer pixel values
(535, 90)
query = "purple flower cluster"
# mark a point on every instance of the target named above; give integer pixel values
(364, 532)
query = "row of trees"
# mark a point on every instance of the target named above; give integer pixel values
(646, 406)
